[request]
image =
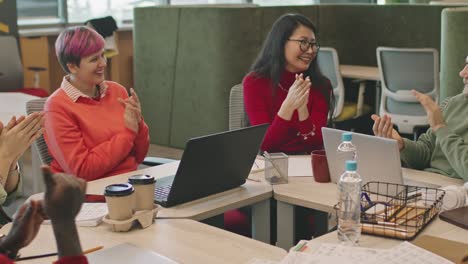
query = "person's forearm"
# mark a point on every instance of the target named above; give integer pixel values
(285, 112)
(303, 113)
(13, 177)
(67, 239)
(5, 165)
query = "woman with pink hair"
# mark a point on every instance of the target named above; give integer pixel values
(92, 127)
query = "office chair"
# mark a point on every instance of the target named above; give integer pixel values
(347, 115)
(37, 105)
(401, 70)
(237, 115)
(11, 69)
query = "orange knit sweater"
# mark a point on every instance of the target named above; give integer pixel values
(88, 138)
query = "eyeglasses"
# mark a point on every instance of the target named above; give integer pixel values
(304, 44)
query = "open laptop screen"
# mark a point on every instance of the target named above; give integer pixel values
(378, 158)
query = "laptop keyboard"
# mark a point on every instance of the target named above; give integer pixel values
(163, 187)
(161, 193)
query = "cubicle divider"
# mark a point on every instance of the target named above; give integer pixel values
(188, 58)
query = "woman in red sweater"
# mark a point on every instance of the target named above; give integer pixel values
(92, 127)
(286, 88)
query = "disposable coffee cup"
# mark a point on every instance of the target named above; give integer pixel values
(144, 191)
(120, 201)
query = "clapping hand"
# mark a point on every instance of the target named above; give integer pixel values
(434, 115)
(298, 94)
(63, 196)
(383, 127)
(297, 98)
(132, 114)
(19, 134)
(26, 224)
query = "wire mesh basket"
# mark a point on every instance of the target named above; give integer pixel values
(397, 211)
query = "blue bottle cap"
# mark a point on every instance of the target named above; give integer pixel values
(347, 136)
(351, 165)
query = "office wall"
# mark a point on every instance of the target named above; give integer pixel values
(188, 58)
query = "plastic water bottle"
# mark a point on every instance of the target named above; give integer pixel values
(346, 151)
(349, 197)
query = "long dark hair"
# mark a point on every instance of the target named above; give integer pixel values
(271, 61)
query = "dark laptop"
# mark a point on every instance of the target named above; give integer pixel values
(211, 164)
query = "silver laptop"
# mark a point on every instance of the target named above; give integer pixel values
(378, 158)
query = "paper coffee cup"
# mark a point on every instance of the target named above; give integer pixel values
(144, 191)
(120, 201)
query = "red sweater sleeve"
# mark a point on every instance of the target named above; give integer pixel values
(142, 142)
(66, 143)
(258, 102)
(5, 260)
(72, 260)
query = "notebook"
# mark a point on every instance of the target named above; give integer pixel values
(378, 158)
(211, 164)
(449, 249)
(127, 253)
(458, 217)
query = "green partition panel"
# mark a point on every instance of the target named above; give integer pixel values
(454, 50)
(155, 51)
(357, 30)
(271, 14)
(215, 49)
(188, 58)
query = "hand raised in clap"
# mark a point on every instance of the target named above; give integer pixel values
(132, 114)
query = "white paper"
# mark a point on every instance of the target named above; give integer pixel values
(258, 165)
(351, 254)
(305, 258)
(261, 261)
(91, 214)
(300, 166)
(404, 252)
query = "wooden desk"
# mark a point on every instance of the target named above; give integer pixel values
(305, 192)
(182, 240)
(360, 72)
(255, 194)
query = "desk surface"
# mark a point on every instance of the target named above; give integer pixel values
(360, 72)
(437, 228)
(304, 191)
(13, 104)
(182, 240)
(249, 193)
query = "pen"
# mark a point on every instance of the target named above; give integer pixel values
(268, 157)
(55, 254)
(92, 250)
(380, 223)
(256, 165)
(300, 247)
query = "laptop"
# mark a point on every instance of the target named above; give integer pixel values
(211, 164)
(378, 158)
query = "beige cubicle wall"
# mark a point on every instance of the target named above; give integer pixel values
(188, 58)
